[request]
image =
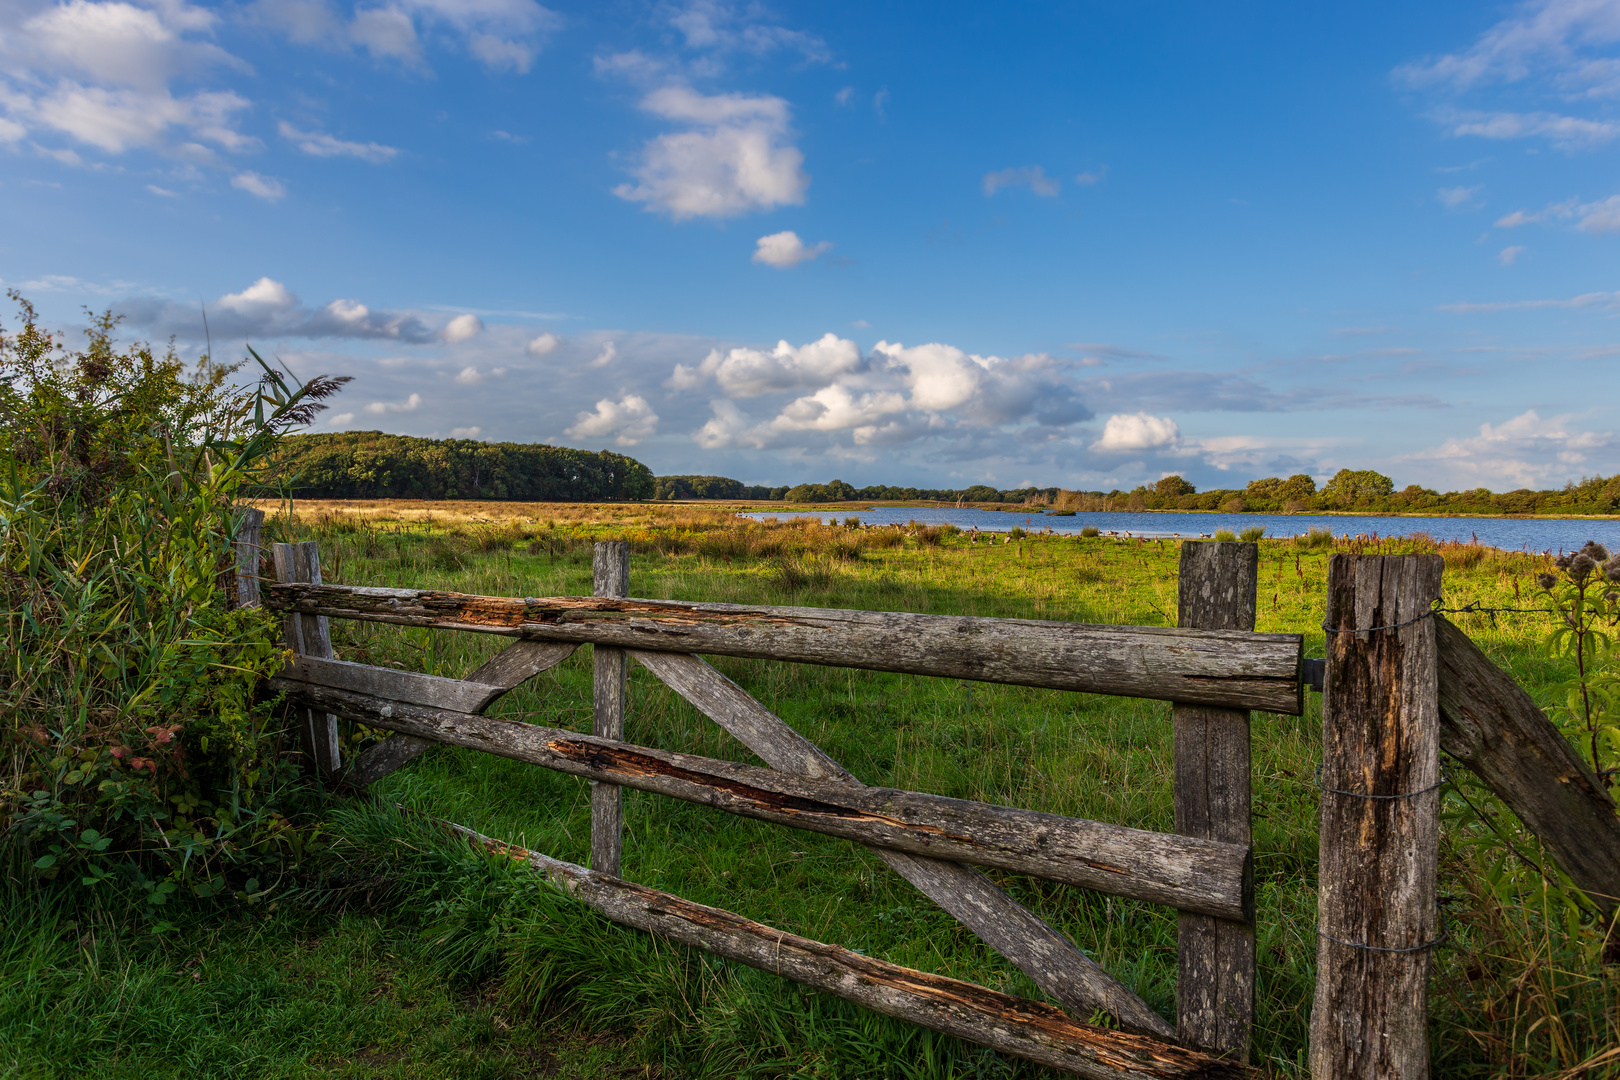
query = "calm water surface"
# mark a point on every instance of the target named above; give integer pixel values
(1513, 534)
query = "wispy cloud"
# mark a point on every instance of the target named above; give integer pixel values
(1565, 132)
(1564, 41)
(1031, 176)
(1455, 198)
(267, 188)
(1602, 216)
(317, 144)
(1602, 301)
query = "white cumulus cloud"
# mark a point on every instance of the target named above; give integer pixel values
(735, 159)
(785, 250)
(543, 345)
(463, 327)
(466, 432)
(629, 420)
(746, 373)
(1125, 432)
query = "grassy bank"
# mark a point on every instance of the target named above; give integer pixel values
(411, 957)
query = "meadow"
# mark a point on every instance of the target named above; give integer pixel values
(400, 953)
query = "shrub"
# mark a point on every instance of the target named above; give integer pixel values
(1017, 532)
(1252, 534)
(1225, 534)
(137, 750)
(1089, 531)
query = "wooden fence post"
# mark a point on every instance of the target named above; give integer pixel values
(248, 545)
(610, 565)
(1215, 978)
(308, 635)
(1376, 910)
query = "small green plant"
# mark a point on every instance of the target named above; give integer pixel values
(1252, 534)
(1225, 534)
(1089, 531)
(1585, 596)
(1315, 538)
(1017, 532)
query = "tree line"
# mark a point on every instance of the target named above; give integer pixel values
(1349, 489)
(375, 465)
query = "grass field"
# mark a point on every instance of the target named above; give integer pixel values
(410, 957)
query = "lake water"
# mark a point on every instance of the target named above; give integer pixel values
(1513, 534)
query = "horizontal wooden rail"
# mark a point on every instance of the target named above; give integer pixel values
(1026, 1029)
(1229, 668)
(1187, 873)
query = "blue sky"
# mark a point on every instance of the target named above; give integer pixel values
(938, 244)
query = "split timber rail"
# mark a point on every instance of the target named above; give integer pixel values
(1385, 721)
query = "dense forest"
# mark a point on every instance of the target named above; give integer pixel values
(373, 465)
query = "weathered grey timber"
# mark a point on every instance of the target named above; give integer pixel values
(459, 695)
(1016, 1026)
(610, 567)
(308, 635)
(1490, 724)
(519, 662)
(1040, 951)
(392, 753)
(1215, 976)
(504, 671)
(1380, 736)
(1232, 669)
(1197, 875)
(249, 545)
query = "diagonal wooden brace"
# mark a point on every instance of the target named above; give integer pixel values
(505, 671)
(1039, 950)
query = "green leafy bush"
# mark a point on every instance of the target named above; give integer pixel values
(138, 750)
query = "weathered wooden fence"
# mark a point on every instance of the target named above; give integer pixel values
(1401, 683)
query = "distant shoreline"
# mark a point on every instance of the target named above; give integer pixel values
(867, 504)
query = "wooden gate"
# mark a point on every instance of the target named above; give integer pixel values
(1213, 667)
(1401, 684)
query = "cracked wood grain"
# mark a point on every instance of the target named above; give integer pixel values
(1192, 874)
(1026, 1029)
(1230, 669)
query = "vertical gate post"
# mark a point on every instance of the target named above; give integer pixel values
(308, 635)
(610, 566)
(247, 545)
(1376, 913)
(1215, 958)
